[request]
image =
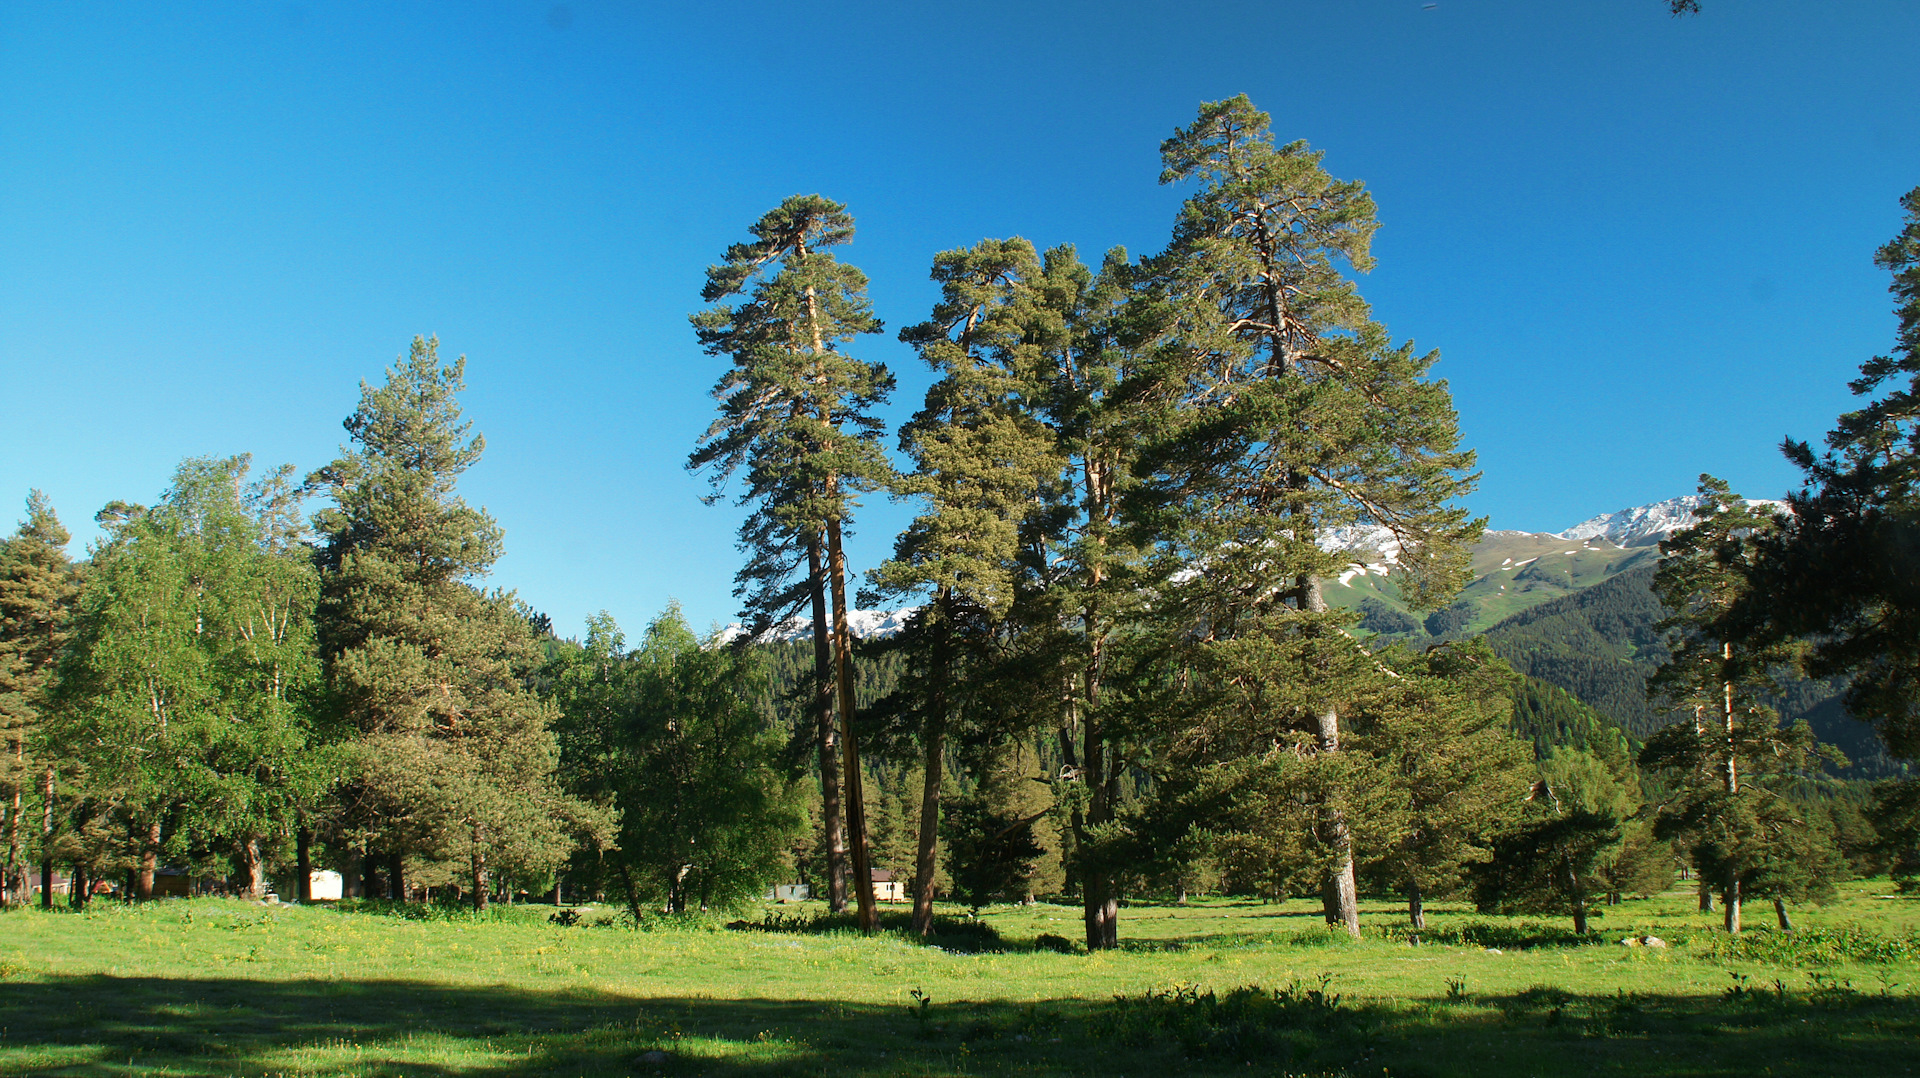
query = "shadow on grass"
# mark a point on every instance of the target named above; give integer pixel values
(97, 1025)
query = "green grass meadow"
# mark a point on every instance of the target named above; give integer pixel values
(214, 987)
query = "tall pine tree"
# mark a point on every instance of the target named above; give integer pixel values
(1080, 553)
(450, 751)
(980, 456)
(1727, 767)
(1842, 572)
(39, 586)
(1284, 412)
(795, 416)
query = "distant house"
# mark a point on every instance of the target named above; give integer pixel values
(888, 887)
(172, 881)
(324, 885)
(61, 884)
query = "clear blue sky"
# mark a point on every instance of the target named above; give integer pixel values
(1642, 244)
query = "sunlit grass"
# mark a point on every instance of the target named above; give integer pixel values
(210, 987)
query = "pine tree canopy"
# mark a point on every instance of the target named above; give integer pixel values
(1844, 571)
(795, 410)
(427, 674)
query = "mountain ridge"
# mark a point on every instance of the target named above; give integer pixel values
(1512, 571)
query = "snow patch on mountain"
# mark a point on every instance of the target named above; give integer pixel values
(863, 624)
(1363, 539)
(1646, 525)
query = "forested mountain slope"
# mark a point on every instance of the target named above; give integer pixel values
(1599, 644)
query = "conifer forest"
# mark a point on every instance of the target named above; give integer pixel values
(1120, 682)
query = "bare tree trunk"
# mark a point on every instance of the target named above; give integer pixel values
(925, 856)
(251, 875)
(149, 861)
(1578, 895)
(1780, 911)
(79, 888)
(828, 735)
(303, 863)
(1070, 761)
(633, 896)
(1416, 906)
(478, 864)
(1706, 895)
(397, 876)
(856, 801)
(1730, 904)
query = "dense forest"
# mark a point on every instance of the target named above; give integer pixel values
(1122, 676)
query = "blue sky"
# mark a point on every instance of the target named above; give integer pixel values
(1642, 244)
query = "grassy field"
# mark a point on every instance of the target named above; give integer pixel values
(208, 987)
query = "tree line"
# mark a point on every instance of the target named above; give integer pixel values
(1120, 661)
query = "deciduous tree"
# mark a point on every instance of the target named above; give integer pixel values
(186, 691)
(669, 738)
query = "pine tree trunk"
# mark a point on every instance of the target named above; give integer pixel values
(1077, 822)
(15, 883)
(251, 876)
(1416, 906)
(46, 839)
(303, 863)
(1341, 896)
(633, 896)
(1576, 894)
(827, 734)
(478, 864)
(1706, 896)
(397, 876)
(925, 863)
(1730, 904)
(79, 888)
(1100, 900)
(149, 861)
(1780, 911)
(850, 748)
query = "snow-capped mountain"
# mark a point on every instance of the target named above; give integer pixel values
(1646, 525)
(864, 624)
